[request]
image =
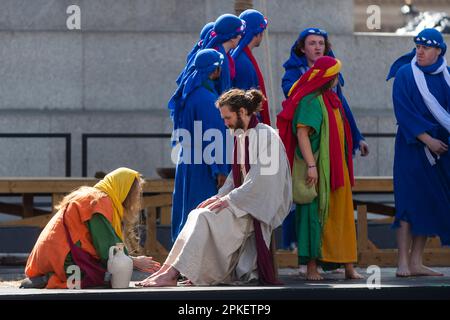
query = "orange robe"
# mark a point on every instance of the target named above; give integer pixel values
(51, 248)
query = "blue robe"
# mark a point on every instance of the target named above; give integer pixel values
(246, 77)
(195, 183)
(422, 191)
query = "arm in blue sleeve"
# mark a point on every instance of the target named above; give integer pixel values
(356, 134)
(409, 118)
(289, 79)
(211, 119)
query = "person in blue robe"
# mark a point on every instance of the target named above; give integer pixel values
(197, 46)
(298, 63)
(224, 37)
(248, 73)
(421, 98)
(194, 112)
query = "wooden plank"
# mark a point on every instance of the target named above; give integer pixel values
(377, 208)
(373, 184)
(159, 200)
(433, 243)
(27, 203)
(166, 218)
(286, 259)
(388, 258)
(362, 234)
(19, 185)
(17, 210)
(56, 199)
(39, 221)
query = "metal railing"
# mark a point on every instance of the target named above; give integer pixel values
(86, 136)
(66, 136)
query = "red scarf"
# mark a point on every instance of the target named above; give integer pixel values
(232, 66)
(265, 115)
(332, 101)
(264, 261)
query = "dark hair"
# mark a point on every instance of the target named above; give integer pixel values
(301, 45)
(250, 100)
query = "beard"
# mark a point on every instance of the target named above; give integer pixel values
(239, 123)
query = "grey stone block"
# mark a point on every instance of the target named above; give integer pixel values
(132, 71)
(367, 166)
(25, 15)
(296, 15)
(144, 15)
(41, 70)
(386, 156)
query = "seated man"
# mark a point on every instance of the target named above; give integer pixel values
(226, 238)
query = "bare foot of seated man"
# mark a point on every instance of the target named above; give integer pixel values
(166, 278)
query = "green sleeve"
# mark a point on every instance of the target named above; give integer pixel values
(308, 113)
(103, 235)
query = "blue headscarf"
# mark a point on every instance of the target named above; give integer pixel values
(427, 37)
(205, 62)
(296, 61)
(226, 27)
(197, 46)
(208, 27)
(255, 23)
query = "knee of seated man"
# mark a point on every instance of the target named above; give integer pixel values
(198, 213)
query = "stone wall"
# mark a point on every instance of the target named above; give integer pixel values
(117, 73)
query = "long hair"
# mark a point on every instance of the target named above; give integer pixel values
(81, 193)
(132, 208)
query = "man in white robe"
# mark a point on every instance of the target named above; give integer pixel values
(217, 244)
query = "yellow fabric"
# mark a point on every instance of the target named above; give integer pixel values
(334, 70)
(313, 74)
(339, 233)
(293, 87)
(116, 185)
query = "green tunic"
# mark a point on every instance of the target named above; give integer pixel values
(309, 231)
(103, 237)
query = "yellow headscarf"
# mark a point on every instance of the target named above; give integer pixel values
(116, 185)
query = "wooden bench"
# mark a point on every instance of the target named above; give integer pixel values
(157, 201)
(368, 252)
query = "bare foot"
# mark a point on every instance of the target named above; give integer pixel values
(313, 275)
(160, 271)
(186, 283)
(351, 274)
(421, 270)
(403, 271)
(162, 280)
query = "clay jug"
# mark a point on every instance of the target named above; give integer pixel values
(120, 266)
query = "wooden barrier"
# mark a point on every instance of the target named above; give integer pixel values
(157, 197)
(157, 203)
